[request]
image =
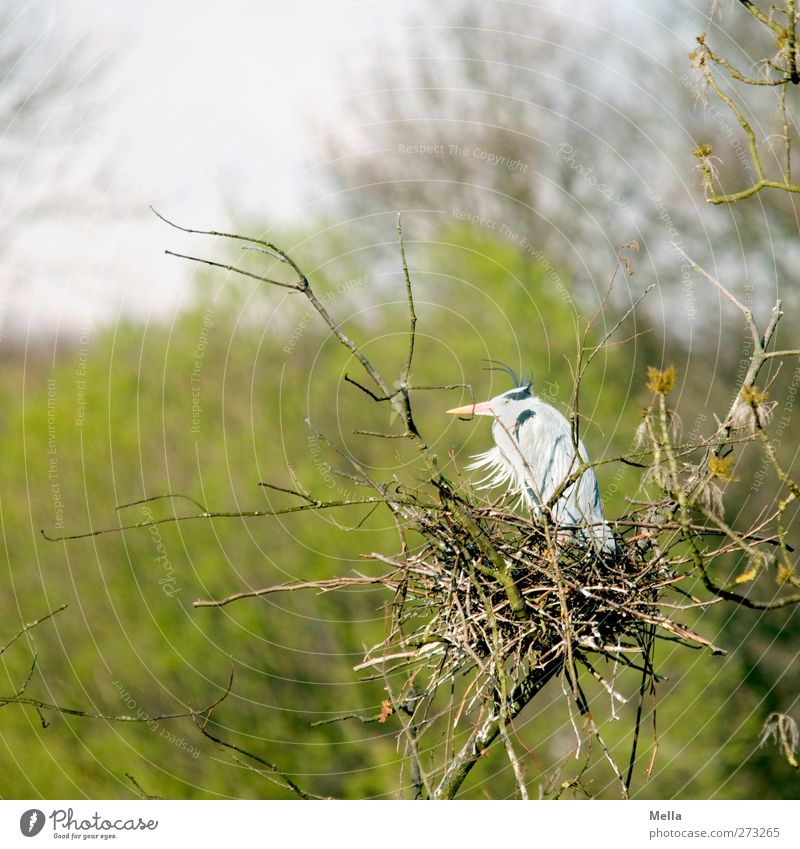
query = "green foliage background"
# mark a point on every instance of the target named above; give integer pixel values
(130, 639)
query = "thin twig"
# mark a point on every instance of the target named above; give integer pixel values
(324, 585)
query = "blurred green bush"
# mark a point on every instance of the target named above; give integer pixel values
(214, 401)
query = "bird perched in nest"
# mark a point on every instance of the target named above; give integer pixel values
(533, 455)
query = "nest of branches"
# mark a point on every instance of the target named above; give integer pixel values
(512, 599)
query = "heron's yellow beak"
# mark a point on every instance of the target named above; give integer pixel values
(480, 409)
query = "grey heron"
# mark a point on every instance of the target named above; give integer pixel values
(533, 455)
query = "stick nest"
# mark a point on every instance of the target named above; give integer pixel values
(453, 615)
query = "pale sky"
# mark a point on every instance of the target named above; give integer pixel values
(199, 107)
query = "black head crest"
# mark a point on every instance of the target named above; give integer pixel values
(520, 383)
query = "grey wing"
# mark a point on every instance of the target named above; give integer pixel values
(546, 442)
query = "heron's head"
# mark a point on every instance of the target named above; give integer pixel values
(507, 407)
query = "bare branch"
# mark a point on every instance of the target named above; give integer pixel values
(412, 316)
(30, 625)
(40, 705)
(325, 585)
(289, 784)
(219, 514)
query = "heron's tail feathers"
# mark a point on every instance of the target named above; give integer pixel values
(603, 539)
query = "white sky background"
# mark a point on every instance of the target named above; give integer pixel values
(198, 107)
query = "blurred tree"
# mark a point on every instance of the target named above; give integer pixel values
(555, 124)
(130, 635)
(48, 81)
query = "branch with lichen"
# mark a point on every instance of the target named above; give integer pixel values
(698, 489)
(781, 71)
